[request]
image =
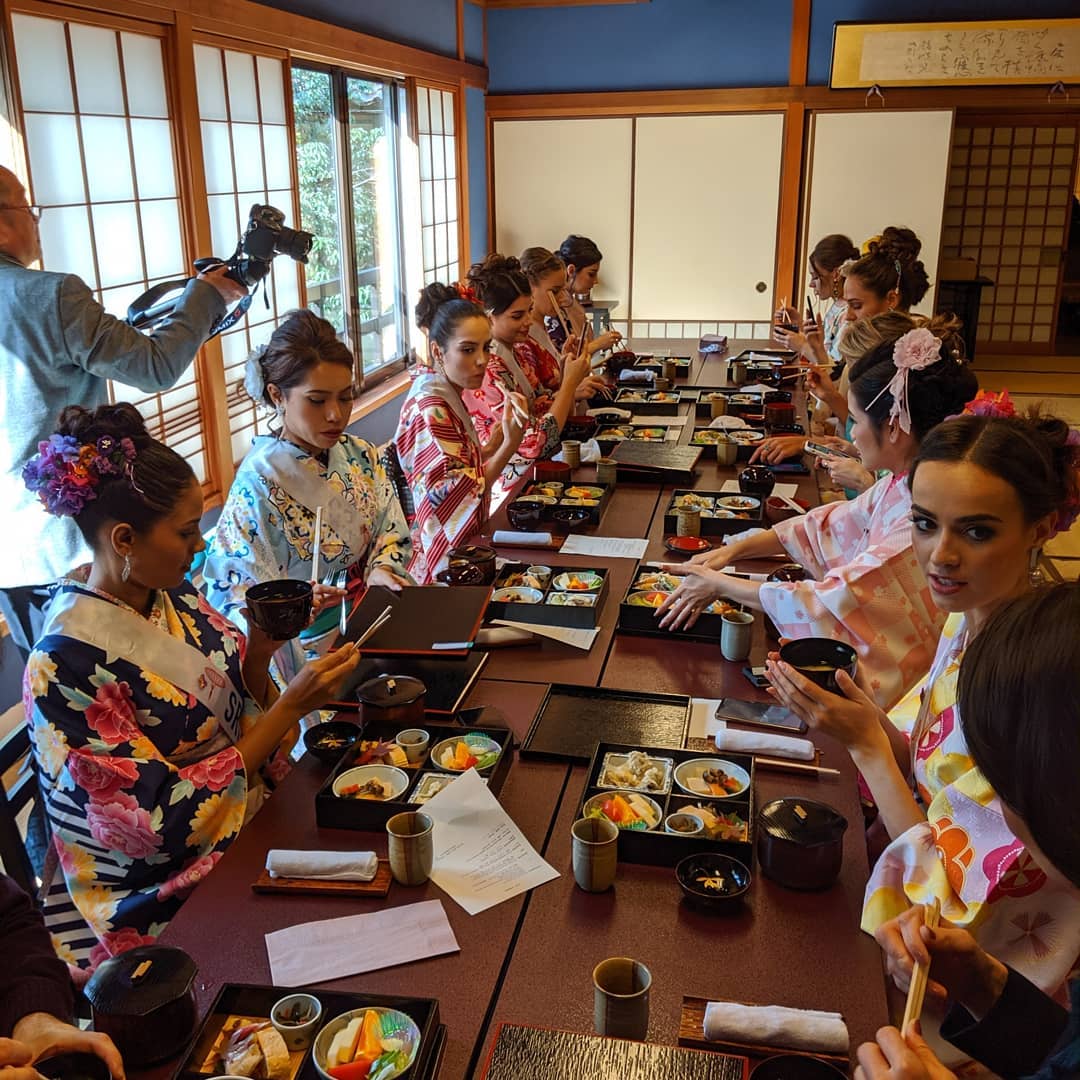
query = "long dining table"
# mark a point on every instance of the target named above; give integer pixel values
(529, 959)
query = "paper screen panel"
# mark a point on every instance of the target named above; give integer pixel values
(706, 195)
(878, 168)
(535, 207)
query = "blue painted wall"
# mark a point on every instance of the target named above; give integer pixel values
(665, 44)
(426, 24)
(824, 13)
(474, 33)
(478, 205)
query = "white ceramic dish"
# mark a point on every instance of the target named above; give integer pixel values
(689, 772)
(392, 777)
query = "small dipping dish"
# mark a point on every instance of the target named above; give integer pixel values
(329, 741)
(712, 882)
(414, 741)
(683, 825)
(296, 1019)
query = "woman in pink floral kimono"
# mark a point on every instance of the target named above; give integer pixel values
(153, 721)
(864, 585)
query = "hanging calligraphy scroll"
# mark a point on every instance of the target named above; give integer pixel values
(1031, 51)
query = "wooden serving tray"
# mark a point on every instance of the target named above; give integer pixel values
(379, 885)
(692, 1034)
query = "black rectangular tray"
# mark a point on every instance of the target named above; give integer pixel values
(659, 848)
(239, 999)
(448, 682)
(571, 720)
(545, 614)
(667, 461)
(334, 813)
(634, 619)
(713, 526)
(595, 512)
(656, 363)
(772, 354)
(649, 408)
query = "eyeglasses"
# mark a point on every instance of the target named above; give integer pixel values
(33, 211)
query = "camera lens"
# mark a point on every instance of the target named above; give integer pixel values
(293, 242)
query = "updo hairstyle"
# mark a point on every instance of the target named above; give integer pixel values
(579, 252)
(498, 281)
(442, 309)
(892, 262)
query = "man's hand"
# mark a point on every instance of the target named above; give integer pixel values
(45, 1037)
(230, 291)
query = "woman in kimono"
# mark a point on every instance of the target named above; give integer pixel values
(152, 719)
(987, 492)
(582, 259)
(863, 584)
(266, 529)
(519, 365)
(448, 469)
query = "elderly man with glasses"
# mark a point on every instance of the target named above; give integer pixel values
(58, 347)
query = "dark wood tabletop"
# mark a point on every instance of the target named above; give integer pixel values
(529, 959)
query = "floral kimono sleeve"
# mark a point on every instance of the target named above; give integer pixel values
(825, 536)
(134, 832)
(391, 543)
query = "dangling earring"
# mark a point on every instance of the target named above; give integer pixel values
(126, 572)
(1035, 574)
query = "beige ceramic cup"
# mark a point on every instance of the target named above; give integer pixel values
(739, 374)
(688, 521)
(718, 406)
(621, 998)
(736, 633)
(595, 853)
(571, 453)
(411, 846)
(727, 452)
(660, 383)
(671, 370)
(606, 471)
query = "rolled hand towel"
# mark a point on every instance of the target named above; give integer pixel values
(521, 539)
(322, 865)
(763, 742)
(775, 1025)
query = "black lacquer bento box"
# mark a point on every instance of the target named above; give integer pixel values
(655, 846)
(649, 402)
(594, 497)
(237, 1004)
(715, 507)
(649, 362)
(424, 778)
(564, 598)
(638, 616)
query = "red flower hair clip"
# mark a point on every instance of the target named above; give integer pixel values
(466, 292)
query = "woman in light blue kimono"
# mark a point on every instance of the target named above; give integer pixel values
(267, 526)
(153, 723)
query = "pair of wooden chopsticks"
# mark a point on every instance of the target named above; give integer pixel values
(917, 989)
(377, 625)
(522, 415)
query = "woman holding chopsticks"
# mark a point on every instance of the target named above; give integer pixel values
(864, 585)
(519, 365)
(987, 490)
(1021, 710)
(445, 464)
(582, 259)
(309, 501)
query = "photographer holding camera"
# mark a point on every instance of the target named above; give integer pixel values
(58, 347)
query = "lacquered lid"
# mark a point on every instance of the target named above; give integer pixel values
(387, 690)
(140, 981)
(471, 553)
(802, 821)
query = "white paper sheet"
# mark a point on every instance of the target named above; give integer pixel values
(568, 635)
(481, 856)
(316, 952)
(605, 547)
(788, 491)
(659, 421)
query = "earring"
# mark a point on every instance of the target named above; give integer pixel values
(126, 572)
(1035, 574)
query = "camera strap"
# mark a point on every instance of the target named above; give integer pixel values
(146, 311)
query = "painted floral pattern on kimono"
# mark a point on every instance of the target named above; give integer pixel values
(867, 588)
(965, 854)
(440, 456)
(138, 817)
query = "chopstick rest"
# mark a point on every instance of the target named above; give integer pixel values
(917, 990)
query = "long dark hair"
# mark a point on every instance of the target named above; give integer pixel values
(1019, 703)
(833, 251)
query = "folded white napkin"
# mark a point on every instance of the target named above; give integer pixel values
(728, 423)
(761, 742)
(775, 1025)
(322, 865)
(590, 451)
(521, 539)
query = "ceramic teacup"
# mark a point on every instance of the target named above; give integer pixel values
(411, 845)
(595, 853)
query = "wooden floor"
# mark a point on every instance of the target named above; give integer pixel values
(1054, 383)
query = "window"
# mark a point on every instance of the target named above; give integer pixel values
(245, 136)
(346, 130)
(100, 144)
(438, 183)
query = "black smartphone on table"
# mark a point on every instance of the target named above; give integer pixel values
(792, 468)
(759, 714)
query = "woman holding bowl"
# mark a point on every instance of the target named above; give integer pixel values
(153, 720)
(987, 491)
(864, 585)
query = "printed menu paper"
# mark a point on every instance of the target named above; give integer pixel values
(481, 856)
(317, 952)
(605, 547)
(578, 638)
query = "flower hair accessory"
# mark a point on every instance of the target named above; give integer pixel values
(984, 403)
(916, 350)
(466, 292)
(66, 473)
(869, 244)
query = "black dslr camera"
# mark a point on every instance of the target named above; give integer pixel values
(266, 236)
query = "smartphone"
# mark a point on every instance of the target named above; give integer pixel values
(818, 450)
(755, 676)
(581, 336)
(810, 316)
(793, 468)
(759, 714)
(791, 328)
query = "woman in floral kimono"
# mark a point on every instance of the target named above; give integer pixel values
(152, 720)
(987, 492)
(582, 259)
(266, 528)
(864, 585)
(445, 465)
(519, 365)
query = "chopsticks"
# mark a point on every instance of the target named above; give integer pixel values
(521, 414)
(343, 622)
(316, 545)
(917, 989)
(374, 628)
(805, 768)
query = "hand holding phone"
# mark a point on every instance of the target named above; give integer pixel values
(822, 451)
